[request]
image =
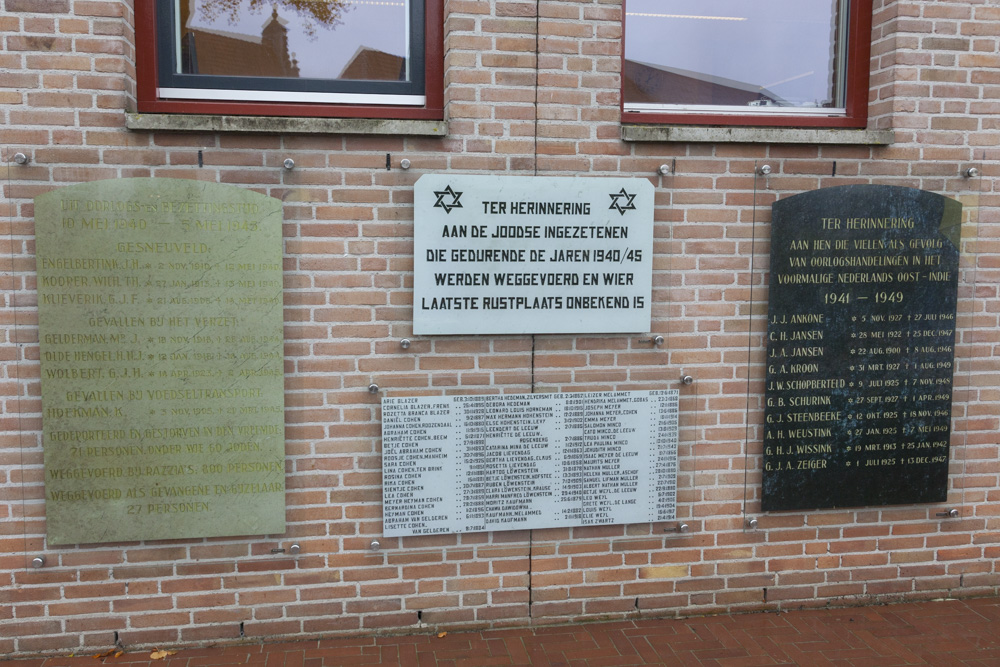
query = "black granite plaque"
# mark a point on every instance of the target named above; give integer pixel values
(861, 333)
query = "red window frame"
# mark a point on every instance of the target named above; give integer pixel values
(147, 84)
(856, 105)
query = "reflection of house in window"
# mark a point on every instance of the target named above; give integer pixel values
(207, 51)
(653, 84)
(369, 64)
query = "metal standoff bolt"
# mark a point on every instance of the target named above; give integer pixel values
(683, 528)
(405, 343)
(764, 169)
(294, 549)
(375, 546)
(657, 340)
(289, 163)
(950, 514)
(37, 562)
(752, 524)
(373, 388)
(971, 172)
(20, 158)
(664, 169)
(404, 164)
(686, 379)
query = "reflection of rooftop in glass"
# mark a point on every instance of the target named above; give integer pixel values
(686, 16)
(320, 49)
(653, 82)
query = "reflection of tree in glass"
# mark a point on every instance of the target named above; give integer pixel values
(324, 13)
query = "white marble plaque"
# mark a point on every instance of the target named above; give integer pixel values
(455, 464)
(519, 254)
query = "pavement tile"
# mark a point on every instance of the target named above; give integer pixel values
(622, 643)
(646, 653)
(745, 661)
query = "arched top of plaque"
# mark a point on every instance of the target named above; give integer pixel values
(127, 199)
(894, 210)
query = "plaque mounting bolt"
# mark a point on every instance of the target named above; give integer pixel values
(375, 546)
(971, 172)
(686, 379)
(373, 388)
(752, 524)
(20, 158)
(289, 163)
(404, 164)
(764, 169)
(663, 170)
(405, 343)
(294, 549)
(37, 562)
(950, 514)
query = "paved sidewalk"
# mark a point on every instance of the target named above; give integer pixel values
(949, 632)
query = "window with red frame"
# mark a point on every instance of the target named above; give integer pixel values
(773, 62)
(290, 57)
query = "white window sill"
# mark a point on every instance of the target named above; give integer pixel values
(283, 125)
(756, 135)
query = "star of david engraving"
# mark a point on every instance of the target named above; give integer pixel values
(616, 202)
(447, 206)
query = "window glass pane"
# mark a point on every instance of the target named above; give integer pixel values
(305, 39)
(767, 53)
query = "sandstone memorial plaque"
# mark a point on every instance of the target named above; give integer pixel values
(455, 464)
(519, 255)
(161, 337)
(860, 354)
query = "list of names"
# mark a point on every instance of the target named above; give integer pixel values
(455, 464)
(861, 334)
(160, 320)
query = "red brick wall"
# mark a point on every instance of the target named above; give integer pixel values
(529, 89)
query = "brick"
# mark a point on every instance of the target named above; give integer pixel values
(42, 6)
(663, 572)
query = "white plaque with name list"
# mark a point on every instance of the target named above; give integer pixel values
(520, 254)
(455, 464)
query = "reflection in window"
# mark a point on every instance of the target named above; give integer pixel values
(315, 39)
(713, 55)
